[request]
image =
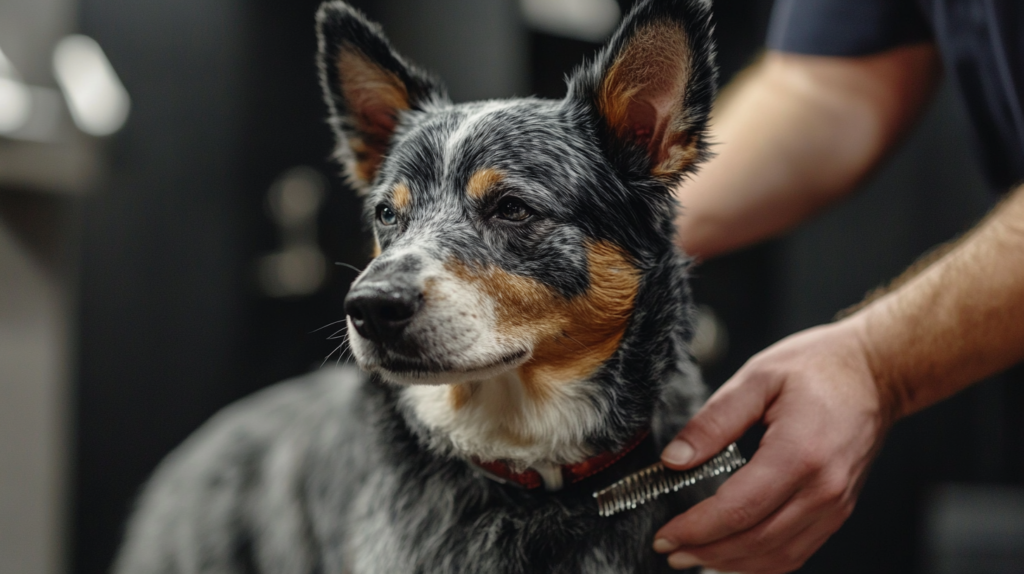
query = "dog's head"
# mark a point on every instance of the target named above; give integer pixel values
(514, 235)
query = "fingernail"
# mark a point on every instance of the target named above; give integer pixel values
(664, 545)
(681, 560)
(678, 452)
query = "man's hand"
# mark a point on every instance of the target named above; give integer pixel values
(829, 394)
(826, 419)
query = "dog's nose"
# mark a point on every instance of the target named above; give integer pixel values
(379, 314)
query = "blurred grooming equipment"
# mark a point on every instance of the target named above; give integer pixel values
(298, 268)
(587, 20)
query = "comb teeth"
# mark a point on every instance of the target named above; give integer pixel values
(648, 484)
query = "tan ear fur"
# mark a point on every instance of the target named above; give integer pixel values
(375, 97)
(642, 96)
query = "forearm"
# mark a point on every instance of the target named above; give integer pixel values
(955, 322)
(794, 133)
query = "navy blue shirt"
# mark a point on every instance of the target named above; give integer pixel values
(981, 42)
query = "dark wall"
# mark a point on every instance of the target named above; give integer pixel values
(172, 323)
(161, 255)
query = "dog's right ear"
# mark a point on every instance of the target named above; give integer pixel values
(367, 86)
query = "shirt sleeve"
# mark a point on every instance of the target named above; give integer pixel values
(845, 27)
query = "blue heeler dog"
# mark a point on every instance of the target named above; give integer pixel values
(521, 335)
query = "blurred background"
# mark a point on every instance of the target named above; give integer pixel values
(169, 224)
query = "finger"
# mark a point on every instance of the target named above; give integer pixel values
(785, 539)
(745, 499)
(722, 420)
(764, 544)
(786, 557)
(777, 561)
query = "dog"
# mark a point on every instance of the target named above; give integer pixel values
(521, 333)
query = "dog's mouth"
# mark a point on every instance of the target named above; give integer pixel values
(425, 370)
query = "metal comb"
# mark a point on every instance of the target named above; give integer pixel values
(648, 484)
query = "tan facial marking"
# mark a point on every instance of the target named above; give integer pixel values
(571, 337)
(642, 95)
(376, 249)
(401, 196)
(375, 97)
(482, 182)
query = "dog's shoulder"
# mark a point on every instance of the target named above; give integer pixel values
(237, 483)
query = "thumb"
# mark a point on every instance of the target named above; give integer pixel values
(722, 420)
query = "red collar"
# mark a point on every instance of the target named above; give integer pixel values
(570, 473)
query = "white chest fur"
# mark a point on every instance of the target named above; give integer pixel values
(499, 420)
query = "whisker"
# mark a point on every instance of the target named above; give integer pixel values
(328, 357)
(345, 348)
(349, 266)
(327, 325)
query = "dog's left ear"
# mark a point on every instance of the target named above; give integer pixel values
(652, 87)
(368, 85)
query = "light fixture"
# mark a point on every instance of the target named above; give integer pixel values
(97, 100)
(589, 20)
(15, 105)
(6, 67)
(15, 98)
(299, 267)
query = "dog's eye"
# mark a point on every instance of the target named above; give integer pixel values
(513, 209)
(386, 215)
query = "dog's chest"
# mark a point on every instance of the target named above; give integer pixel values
(414, 512)
(391, 531)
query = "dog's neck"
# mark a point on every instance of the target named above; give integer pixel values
(498, 419)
